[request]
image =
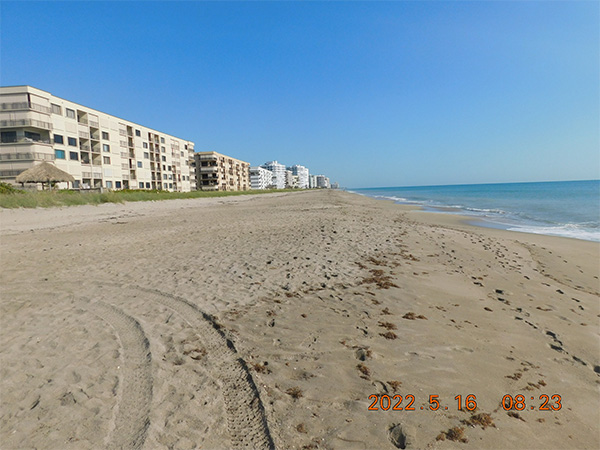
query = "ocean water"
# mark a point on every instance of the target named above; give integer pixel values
(563, 208)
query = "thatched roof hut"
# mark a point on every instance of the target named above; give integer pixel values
(44, 173)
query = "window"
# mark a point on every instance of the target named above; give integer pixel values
(59, 154)
(146, 155)
(105, 135)
(141, 185)
(106, 147)
(74, 156)
(162, 149)
(164, 177)
(139, 164)
(145, 144)
(170, 185)
(138, 133)
(165, 185)
(106, 159)
(185, 146)
(164, 167)
(162, 140)
(148, 185)
(109, 184)
(170, 177)
(58, 139)
(181, 153)
(56, 109)
(70, 113)
(72, 141)
(118, 184)
(164, 158)
(169, 168)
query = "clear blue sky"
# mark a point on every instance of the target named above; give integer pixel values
(369, 93)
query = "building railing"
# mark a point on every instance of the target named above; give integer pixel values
(124, 155)
(122, 133)
(94, 124)
(124, 166)
(86, 174)
(84, 147)
(123, 143)
(9, 140)
(26, 156)
(26, 123)
(25, 105)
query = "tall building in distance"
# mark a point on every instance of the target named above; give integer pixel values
(302, 173)
(322, 182)
(260, 178)
(217, 172)
(278, 173)
(99, 150)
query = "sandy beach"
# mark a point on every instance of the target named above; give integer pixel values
(290, 321)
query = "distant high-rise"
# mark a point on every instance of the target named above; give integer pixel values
(302, 173)
(278, 173)
(217, 172)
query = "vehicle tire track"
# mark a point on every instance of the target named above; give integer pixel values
(131, 420)
(246, 419)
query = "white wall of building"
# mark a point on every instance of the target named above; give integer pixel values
(260, 178)
(278, 173)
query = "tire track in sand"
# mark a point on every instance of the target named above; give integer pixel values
(246, 419)
(131, 420)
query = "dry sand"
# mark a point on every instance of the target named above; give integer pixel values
(268, 321)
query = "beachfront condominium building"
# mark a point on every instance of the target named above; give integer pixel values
(217, 172)
(322, 182)
(302, 173)
(99, 150)
(278, 173)
(260, 178)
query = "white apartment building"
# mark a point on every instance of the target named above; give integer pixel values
(217, 172)
(289, 180)
(99, 150)
(312, 181)
(303, 176)
(322, 182)
(260, 178)
(278, 173)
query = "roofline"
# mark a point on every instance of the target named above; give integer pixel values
(67, 100)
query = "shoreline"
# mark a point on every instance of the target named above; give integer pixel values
(487, 217)
(272, 319)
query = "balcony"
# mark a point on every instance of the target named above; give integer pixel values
(24, 140)
(25, 123)
(122, 133)
(84, 134)
(85, 147)
(18, 106)
(94, 124)
(26, 156)
(124, 155)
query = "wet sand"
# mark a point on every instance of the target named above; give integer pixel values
(277, 320)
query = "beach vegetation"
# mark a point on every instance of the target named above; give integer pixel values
(11, 197)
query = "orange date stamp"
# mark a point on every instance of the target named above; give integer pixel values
(397, 402)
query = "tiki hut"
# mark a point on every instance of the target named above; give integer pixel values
(44, 173)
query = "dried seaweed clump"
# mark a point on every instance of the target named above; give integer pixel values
(483, 420)
(388, 325)
(389, 335)
(453, 434)
(395, 385)
(294, 392)
(364, 370)
(379, 279)
(413, 316)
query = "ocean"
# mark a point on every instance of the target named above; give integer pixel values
(563, 208)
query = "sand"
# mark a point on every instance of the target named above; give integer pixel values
(275, 321)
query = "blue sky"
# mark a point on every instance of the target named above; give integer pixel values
(368, 93)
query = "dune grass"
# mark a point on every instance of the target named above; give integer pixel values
(47, 199)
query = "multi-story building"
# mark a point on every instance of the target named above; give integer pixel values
(192, 166)
(289, 180)
(260, 178)
(312, 181)
(302, 173)
(99, 150)
(278, 173)
(217, 172)
(322, 182)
